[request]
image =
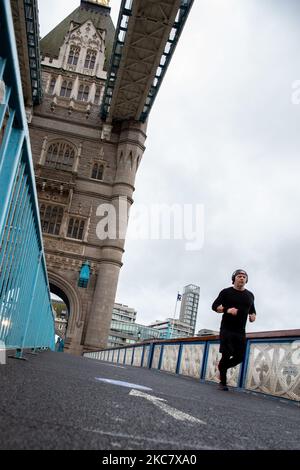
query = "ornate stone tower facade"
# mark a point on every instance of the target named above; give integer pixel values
(83, 169)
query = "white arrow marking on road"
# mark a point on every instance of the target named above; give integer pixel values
(160, 403)
(123, 384)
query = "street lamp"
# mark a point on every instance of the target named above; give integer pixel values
(84, 275)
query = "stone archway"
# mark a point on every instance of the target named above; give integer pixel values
(67, 293)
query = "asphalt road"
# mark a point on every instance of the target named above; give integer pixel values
(56, 401)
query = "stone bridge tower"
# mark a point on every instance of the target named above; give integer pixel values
(82, 166)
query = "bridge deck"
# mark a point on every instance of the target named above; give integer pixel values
(146, 37)
(53, 401)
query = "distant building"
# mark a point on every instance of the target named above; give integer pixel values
(172, 328)
(123, 313)
(205, 332)
(124, 330)
(61, 327)
(189, 306)
(60, 308)
(60, 313)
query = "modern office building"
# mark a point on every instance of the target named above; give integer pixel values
(189, 306)
(61, 317)
(124, 330)
(123, 313)
(206, 332)
(172, 328)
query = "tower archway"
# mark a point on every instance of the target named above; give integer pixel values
(63, 289)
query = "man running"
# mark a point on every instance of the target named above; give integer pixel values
(237, 304)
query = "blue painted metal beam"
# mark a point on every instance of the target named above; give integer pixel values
(126, 11)
(26, 318)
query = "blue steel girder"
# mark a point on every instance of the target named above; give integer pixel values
(33, 45)
(146, 36)
(26, 318)
(26, 24)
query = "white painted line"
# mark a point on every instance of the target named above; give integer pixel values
(150, 440)
(112, 365)
(160, 403)
(123, 384)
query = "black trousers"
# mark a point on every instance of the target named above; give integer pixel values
(233, 348)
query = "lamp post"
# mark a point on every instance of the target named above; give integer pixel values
(84, 275)
(178, 298)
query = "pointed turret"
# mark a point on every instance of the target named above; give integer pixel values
(98, 12)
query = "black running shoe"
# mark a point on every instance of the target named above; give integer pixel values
(222, 387)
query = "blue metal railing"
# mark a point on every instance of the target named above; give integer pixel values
(26, 318)
(33, 46)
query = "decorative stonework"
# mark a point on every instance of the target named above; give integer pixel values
(191, 360)
(121, 356)
(170, 357)
(156, 356)
(106, 132)
(137, 359)
(212, 373)
(274, 368)
(88, 37)
(146, 356)
(68, 264)
(128, 357)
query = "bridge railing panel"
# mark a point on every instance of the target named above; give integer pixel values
(211, 367)
(192, 359)
(146, 355)
(271, 365)
(26, 318)
(137, 356)
(169, 357)
(156, 356)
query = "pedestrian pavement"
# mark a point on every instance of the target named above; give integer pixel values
(58, 401)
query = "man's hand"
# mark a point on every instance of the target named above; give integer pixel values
(220, 309)
(233, 311)
(252, 317)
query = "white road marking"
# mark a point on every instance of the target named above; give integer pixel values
(123, 384)
(160, 403)
(113, 365)
(137, 438)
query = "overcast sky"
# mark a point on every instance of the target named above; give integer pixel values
(224, 134)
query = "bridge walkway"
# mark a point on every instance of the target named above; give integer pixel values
(56, 401)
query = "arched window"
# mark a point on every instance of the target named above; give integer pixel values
(97, 95)
(90, 59)
(97, 171)
(51, 218)
(83, 93)
(73, 55)
(52, 85)
(66, 88)
(60, 155)
(75, 228)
